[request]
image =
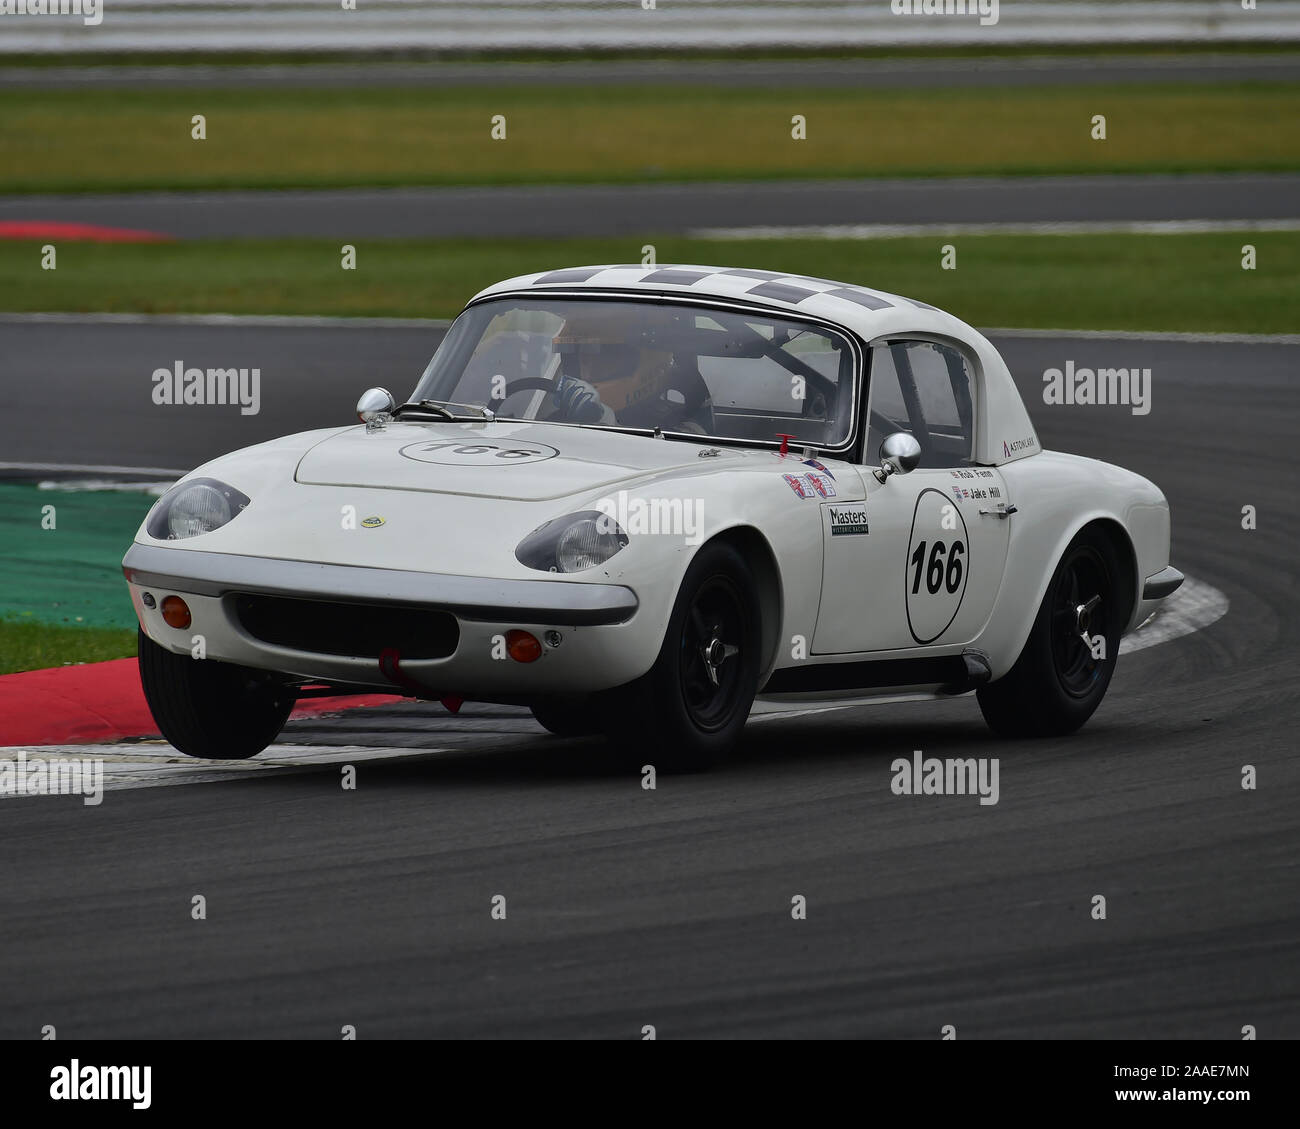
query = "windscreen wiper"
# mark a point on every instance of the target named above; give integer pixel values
(440, 409)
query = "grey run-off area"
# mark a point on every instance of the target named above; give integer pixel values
(637, 209)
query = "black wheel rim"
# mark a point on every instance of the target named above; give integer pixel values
(712, 657)
(1082, 603)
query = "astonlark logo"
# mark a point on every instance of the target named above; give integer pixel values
(90, 11)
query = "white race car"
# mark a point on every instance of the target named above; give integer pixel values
(635, 498)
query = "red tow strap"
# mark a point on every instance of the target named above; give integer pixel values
(390, 666)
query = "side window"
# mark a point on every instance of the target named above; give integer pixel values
(923, 389)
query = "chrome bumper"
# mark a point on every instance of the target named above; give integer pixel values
(1164, 583)
(467, 597)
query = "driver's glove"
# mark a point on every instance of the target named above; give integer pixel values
(579, 402)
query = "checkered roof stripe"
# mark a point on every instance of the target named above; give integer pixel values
(725, 281)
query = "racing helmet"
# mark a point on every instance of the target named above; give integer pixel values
(621, 350)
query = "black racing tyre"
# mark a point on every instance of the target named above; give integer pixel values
(567, 717)
(1058, 680)
(209, 709)
(688, 710)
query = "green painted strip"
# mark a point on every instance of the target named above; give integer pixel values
(71, 572)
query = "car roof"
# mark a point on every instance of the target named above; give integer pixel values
(868, 312)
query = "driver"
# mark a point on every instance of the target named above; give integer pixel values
(616, 367)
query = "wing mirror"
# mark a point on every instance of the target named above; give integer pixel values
(374, 407)
(899, 454)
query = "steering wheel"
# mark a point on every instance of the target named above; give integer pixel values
(527, 384)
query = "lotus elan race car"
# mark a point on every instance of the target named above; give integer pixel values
(635, 498)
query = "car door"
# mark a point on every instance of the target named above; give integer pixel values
(920, 561)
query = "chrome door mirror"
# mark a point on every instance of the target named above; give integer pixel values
(899, 454)
(374, 407)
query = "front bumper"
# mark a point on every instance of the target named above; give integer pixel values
(600, 644)
(466, 597)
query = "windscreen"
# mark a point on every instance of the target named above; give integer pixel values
(642, 365)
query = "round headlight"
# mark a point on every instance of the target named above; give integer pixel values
(198, 508)
(572, 543)
(584, 545)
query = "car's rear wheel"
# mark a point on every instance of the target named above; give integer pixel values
(687, 712)
(1060, 677)
(568, 717)
(209, 709)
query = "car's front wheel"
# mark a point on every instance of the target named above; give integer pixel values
(689, 709)
(1062, 674)
(209, 709)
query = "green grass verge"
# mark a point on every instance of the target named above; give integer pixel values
(1138, 282)
(29, 645)
(123, 140)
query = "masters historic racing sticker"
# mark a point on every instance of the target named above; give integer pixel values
(847, 521)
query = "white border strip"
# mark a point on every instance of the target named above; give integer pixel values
(272, 321)
(275, 322)
(1195, 605)
(80, 468)
(1050, 227)
(1153, 335)
(156, 764)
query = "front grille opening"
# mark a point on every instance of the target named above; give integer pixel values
(328, 627)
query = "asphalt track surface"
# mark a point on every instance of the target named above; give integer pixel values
(635, 209)
(907, 73)
(672, 907)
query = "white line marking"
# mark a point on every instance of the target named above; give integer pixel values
(1051, 227)
(97, 485)
(783, 715)
(1194, 606)
(271, 321)
(1152, 335)
(82, 468)
(157, 764)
